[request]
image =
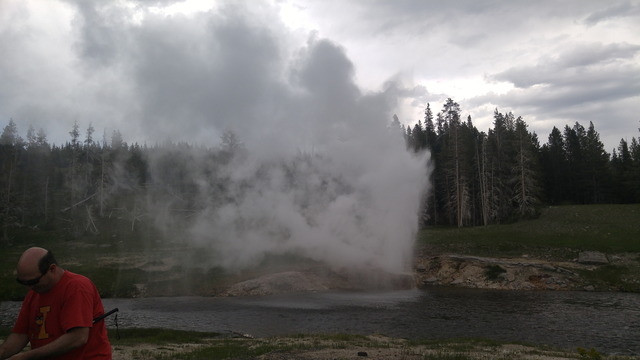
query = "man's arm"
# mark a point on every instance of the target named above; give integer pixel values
(13, 344)
(73, 339)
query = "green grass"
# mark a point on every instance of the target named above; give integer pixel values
(559, 232)
(612, 276)
(228, 349)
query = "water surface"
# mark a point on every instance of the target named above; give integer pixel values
(609, 322)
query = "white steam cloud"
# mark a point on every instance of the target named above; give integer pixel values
(314, 170)
(352, 203)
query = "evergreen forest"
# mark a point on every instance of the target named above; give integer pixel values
(505, 174)
(477, 177)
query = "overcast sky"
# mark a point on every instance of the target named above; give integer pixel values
(163, 69)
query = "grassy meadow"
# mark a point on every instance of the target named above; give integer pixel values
(559, 233)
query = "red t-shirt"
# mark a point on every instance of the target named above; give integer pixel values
(73, 302)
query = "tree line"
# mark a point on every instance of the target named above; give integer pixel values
(505, 174)
(87, 184)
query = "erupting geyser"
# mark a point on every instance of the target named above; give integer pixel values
(309, 164)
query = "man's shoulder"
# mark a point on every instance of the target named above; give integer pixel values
(73, 279)
(73, 276)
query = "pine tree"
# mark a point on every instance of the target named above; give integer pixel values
(429, 128)
(418, 137)
(409, 139)
(597, 174)
(555, 165)
(10, 135)
(623, 173)
(485, 169)
(36, 170)
(31, 137)
(457, 172)
(11, 152)
(431, 199)
(634, 150)
(573, 140)
(502, 156)
(524, 174)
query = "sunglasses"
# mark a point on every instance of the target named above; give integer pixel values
(31, 282)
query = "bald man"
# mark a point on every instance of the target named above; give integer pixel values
(57, 313)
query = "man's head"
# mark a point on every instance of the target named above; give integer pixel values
(38, 269)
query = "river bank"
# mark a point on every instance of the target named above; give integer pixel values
(161, 344)
(432, 266)
(588, 271)
(346, 347)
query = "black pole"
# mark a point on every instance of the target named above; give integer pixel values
(105, 315)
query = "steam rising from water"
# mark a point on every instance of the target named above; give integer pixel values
(346, 192)
(311, 166)
(353, 204)
(318, 172)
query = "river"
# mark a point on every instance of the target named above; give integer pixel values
(608, 322)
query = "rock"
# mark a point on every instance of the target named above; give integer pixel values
(589, 288)
(280, 283)
(363, 353)
(592, 258)
(527, 286)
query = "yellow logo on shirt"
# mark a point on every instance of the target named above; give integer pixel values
(41, 321)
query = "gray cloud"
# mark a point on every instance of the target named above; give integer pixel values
(572, 66)
(612, 12)
(544, 44)
(103, 30)
(587, 82)
(222, 73)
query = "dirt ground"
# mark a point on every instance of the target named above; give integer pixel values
(372, 347)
